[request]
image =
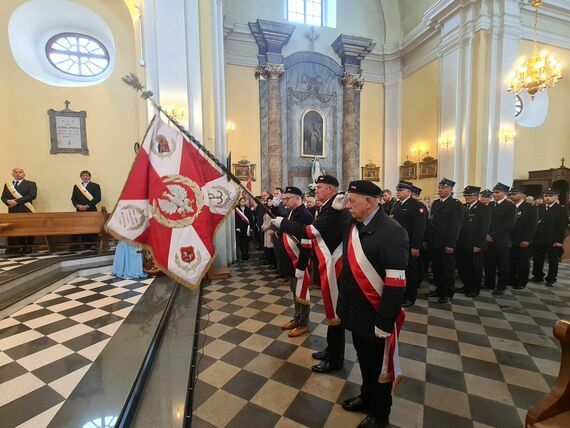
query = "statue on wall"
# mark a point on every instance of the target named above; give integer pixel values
(316, 170)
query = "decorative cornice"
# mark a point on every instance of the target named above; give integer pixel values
(556, 10)
(352, 81)
(270, 71)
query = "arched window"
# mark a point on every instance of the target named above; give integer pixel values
(77, 54)
(518, 105)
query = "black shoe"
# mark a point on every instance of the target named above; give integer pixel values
(536, 279)
(373, 422)
(518, 287)
(433, 293)
(459, 289)
(407, 303)
(445, 299)
(321, 355)
(471, 294)
(550, 283)
(326, 366)
(354, 404)
(497, 292)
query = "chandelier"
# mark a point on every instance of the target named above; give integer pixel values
(537, 72)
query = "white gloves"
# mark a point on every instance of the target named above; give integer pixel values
(276, 222)
(381, 333)
(299, 274)
(339, 202)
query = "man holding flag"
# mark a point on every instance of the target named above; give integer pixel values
(174, 200)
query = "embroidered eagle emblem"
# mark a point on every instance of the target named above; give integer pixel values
(176, 200)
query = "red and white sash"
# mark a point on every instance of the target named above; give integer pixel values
(330, 266)
(302, 287)
(244, 218)
(372, 285)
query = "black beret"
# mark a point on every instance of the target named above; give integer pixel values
(364, 187)
(501, 187)
(404, 185)
(486, 193)
(447, 182)
(416, 190)
(551, 192)
(327, 179)
(471, 190)
(514, 190)
(293, 190)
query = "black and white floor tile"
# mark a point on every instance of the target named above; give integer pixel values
(47, 347)
(8, 262)
(475, 363)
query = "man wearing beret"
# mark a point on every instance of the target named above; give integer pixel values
(472, 243)
(326, 236)
(288, 254)
(549, 237)
(503, 216)
(521, 239)
(445, 221)
(371, 293)
(408, 212)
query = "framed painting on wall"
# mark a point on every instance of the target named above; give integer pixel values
(312, 134)
(428, 167)
(408, 170)
(371, 172)
(244, 169)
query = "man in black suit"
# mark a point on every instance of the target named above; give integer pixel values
(85, 197)
(329, 231)
(549, 237)
(18, 195)
(443, 229)
(411, 215)
(288, 262)
(503, 216)
(388, 201)
(521, 239)
(471, 244)
(423, 260)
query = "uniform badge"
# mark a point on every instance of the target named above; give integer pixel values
(178, 202)
(421, 210)
(187, 258)
(162, 147)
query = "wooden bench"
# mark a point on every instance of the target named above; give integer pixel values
(553, 411)
(49, 225)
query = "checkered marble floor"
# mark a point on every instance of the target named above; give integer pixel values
(475, 363)
(47, 347)
(11, 262)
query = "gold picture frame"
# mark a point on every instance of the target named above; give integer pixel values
(371, 172)
(428, 167)
(244, 169)
(313, 134)
(408, 170)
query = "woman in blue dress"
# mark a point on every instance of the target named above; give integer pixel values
(128, 263)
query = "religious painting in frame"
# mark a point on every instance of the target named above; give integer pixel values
(371, 172)
(243, 169)
(428, 167)
(313, 133)
(408, 170)
(68, 132)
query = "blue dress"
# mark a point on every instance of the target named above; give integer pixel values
(128, 263)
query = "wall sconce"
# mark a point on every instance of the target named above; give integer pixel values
(176, 112)
(447, 140)
(230, 127)
(138, 5)
(419, 150)
(507, 135)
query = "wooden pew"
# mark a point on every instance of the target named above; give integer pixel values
(553, 411)
(49, 225)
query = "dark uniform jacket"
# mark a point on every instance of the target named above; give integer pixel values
(551, 224)
(388, 206)
(27, 189)
(503, 218)
(241, 224)
(299, 215)
(386, 246)
(444, 223)
(475, 228)
(79, 198)
(525, 224)
(411, 214)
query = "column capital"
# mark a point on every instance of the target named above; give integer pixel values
(352, 80)
(271, 37)
(270, 71)
(352, 50)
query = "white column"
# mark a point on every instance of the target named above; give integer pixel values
(392, 123)
(193, 75)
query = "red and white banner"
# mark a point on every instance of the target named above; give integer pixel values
(372, 285)
(302, 285)
(172, 203)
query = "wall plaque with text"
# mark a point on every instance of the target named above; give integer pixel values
(68, 131)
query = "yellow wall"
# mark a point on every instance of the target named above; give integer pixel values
(242, 104)
(112, 118)
(371, 123)
(420, 117)
(542, 147)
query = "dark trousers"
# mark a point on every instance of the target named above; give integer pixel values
(243, 244)
(497, 262)
(443, 267)
(376, 396)
(538, 253)
(335, 344)
(269, 256)
(470, 268)
(19, 245)
(420, 262)
(412, 278)
(519, 267)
